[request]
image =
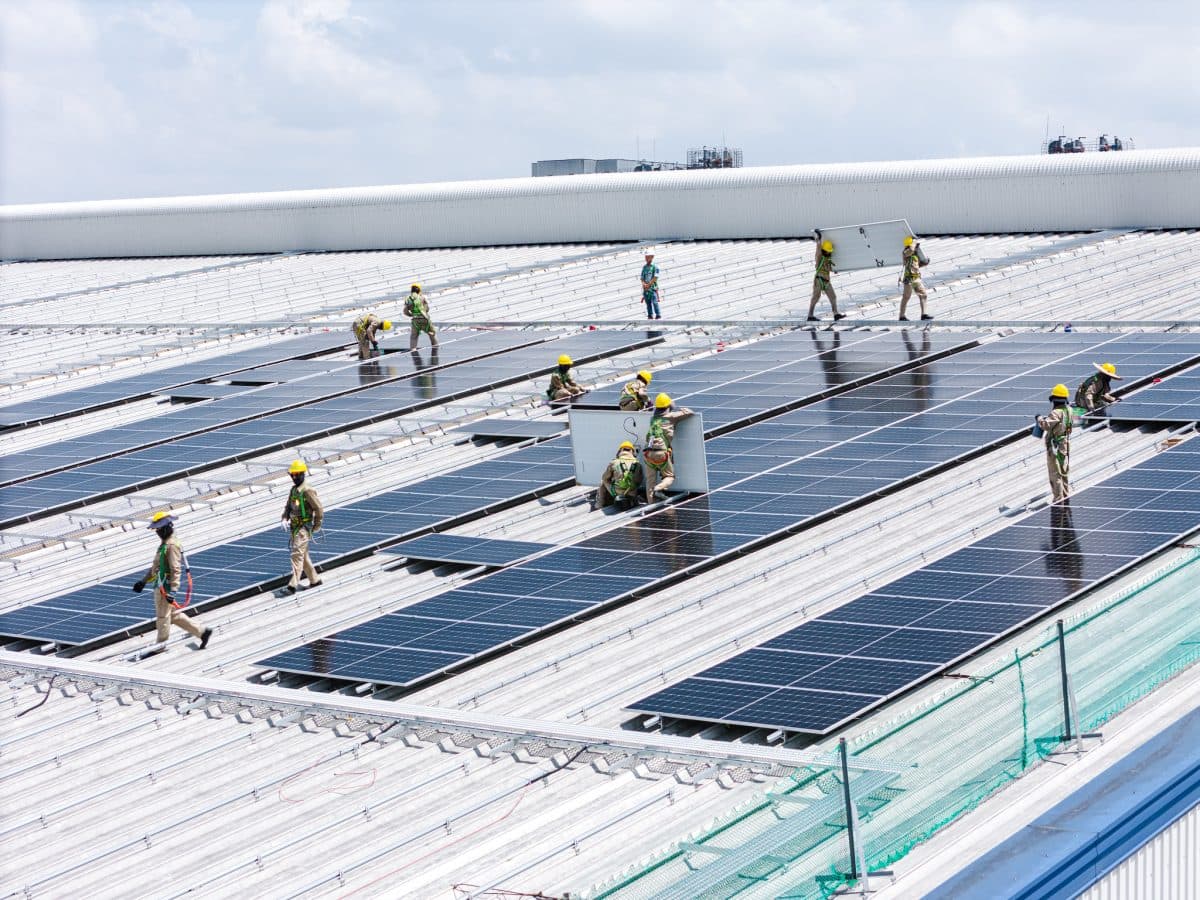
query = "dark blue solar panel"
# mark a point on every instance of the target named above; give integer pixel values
(466, 550)
(888, 641)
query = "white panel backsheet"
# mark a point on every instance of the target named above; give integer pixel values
(596, 434)
(874, 245)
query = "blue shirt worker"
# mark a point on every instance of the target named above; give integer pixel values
(302, 516)
(649, 278)
(166, 574)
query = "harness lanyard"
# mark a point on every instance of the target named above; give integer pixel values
(298, 498)
(164, 577)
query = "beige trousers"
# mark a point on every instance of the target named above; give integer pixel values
(656, 480)
(1058, 478)
(166, 615)
(910, 288)
(822, 287)
(301, 564)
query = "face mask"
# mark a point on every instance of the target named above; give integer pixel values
(298, 479)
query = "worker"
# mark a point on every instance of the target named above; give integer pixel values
(563, 385)
(662, 422)
(621, 480)
(416, 307)
(910, 277)
(660, 469)
(822, 283)
(649, 278)
(633, 396)
(1095, 391)
(302, 516)
(365, 328)
(166, 574)
(1056, 433)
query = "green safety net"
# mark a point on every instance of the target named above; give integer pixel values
(977, 735)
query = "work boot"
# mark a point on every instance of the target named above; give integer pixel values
(926, 317)
(838, 316)
(204, 638)
(812, 319)
(902, 319)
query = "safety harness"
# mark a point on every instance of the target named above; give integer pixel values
(824, 264)
(164, 576)
(1056, 442)
(296, 502)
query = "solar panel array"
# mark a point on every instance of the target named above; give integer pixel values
(399, 388)
(124, 390)
(513, 428)
(1175, 401)
(771, 479)
(816, 677)
(453, 548)
(108, 611)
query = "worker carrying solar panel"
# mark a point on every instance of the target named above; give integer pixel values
(563, 385)
(1056, 435)
(910, 277)
(621, 481)
(166, 574)
(662, 422)
(302, 516)
(823, 282)
(649, 279)
(633, 396)
(365, 328)
(660, 469)
(1095, 391)
(416, 307)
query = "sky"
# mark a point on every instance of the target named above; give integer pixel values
(105, 99)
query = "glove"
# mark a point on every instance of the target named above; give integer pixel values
(139, 586)
(283, 523)
(374, 345)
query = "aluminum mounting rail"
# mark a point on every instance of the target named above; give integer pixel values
(796, 322)
(486, 725)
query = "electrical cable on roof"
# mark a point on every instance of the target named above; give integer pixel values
(40, 702)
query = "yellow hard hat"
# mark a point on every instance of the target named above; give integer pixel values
(662, 401)
(908, 241)
(159, 516)
(160, 520)
(565, 360)
(297, 467)
(1060, 392)
(645, 376)
(626, 445)
(1108, 369)
(416, 287)
(387, 324)
(827, 246)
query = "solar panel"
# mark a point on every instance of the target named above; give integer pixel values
(124, 390)
(640, 550)
(452, 548)
(513, 428)
(1175, 401)
(893, 639)
(245, 566)
(223, 444)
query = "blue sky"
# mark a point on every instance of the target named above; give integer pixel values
(102, 98)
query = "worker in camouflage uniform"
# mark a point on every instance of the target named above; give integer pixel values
(822, 283)
(649, 278)
(621, 480)
(365, 328)
(911, 278)
(302, 517)
(416, 307)
(659, 466)
(563, 385)
(633, 396)
(662, 422)
(1096, 390)
(1056, 433)
(166, 574)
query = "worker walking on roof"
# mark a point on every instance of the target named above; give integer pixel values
(416, 307)
(822, 283)
(649, 278)
(1096, 389)
(365, 327)
(633, 396)
(1056, 433)
(659, 464)
(621, 480)
(910, 277)
(662, 423)
(166, 574)
(302, 516)
(563, 385)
